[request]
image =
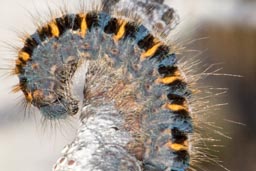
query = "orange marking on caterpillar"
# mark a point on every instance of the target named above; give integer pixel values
(175, 107)
(29, 97)
(83, 26)
(121, 30)
(24, 56)
(167, 80)
(150, 52)
(54, 29)
(176, 146)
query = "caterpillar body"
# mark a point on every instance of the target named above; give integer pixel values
(136, 112)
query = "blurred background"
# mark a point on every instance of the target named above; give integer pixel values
(225, 34)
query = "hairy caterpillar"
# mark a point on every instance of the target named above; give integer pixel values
(132, 77)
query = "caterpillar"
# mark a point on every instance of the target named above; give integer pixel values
(136, 109)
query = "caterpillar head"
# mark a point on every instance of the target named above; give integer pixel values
(52, 103)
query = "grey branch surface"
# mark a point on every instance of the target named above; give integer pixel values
(99, 144)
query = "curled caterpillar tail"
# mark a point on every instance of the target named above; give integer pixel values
(135, 111)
